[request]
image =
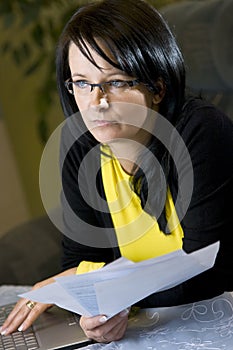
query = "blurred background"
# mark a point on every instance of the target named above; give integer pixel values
(29, 105)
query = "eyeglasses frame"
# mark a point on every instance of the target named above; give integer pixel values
(130, 83)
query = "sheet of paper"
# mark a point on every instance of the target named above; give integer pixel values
(81, 287)
(122, 283)
(157, 276)
(75, 293)
(55, 294)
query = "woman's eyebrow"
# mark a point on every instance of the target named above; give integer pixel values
(78, 74)
(110, 74)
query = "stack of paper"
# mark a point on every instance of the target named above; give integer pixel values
(122, 283)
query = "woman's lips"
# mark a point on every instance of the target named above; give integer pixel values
(103, 122)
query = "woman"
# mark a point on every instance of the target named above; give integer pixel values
(131, 185)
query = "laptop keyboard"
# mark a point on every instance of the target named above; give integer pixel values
(18, 340)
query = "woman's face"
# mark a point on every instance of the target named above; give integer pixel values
(111, 114)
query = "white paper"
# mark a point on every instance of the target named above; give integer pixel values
(55, 294)
(122, 283)
(164, 274)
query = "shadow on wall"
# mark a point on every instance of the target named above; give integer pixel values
(30, 252)
(204, 32)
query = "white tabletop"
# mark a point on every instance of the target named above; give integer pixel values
(205, 325)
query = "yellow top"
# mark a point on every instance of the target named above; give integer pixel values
(138, 233)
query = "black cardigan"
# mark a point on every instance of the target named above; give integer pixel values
(208, 135)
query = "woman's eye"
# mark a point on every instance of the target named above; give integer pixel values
(81, 84)
(118, 83)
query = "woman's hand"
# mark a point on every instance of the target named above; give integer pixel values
(22, 316)
(102, 330)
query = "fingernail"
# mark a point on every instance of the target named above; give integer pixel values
(124, 313)
(4, 331)
(20, 328)
(103, 319)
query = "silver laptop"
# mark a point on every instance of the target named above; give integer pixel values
(54, 329)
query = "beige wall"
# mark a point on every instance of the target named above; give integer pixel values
(23, 149)
(13, 206)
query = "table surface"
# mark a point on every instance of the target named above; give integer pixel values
(205, 325)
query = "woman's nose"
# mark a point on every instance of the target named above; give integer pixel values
(99, 99)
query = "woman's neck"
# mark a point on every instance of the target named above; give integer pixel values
(127, 153)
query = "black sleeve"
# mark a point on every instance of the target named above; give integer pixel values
(83, 237)
(208, 135)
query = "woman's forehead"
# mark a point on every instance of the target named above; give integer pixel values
(89, 55)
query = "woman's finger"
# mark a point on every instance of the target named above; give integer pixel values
(13, 313)
(90, 323)
(116, 333)
(22, 317)
(99, 328)
(34, 313)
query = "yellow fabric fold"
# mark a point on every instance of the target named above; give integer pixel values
(88, 266)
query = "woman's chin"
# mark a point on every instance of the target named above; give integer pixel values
(106, 133)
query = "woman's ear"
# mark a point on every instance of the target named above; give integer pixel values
(161, 90)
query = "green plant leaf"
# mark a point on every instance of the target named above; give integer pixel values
(6, 46)
(16, 56)
(5, 7)
(43, 129)
(8, 20)
(38, 35)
